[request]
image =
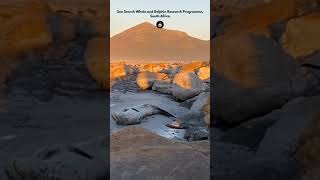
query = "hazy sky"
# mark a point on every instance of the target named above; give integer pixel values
(196, 25)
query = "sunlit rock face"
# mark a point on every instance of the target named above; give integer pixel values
(24, 26)
(299, 39)
(248, 76)
(145, 80)
(118, 70)
(96, 58)
(257, 18)
(186, 85)
(192, 67)
(204, 73)
(155, 67)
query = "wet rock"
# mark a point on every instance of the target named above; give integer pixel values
(145, 80)
(299, 37)
(196, 133)
(186, 85)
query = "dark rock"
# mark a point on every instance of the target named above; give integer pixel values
(252, 80)
(86, 160)
(249, 134)
(282, 139)
(196, 133)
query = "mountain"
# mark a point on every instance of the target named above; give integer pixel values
(147, 42)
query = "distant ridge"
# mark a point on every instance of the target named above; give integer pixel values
(147, 42)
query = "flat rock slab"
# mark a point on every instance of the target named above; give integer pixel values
(155, 123)
(137, 153)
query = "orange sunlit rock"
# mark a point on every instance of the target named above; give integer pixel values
(192, 67)
(96, 57)
(24, 26)
(257, 18)
(237, 63)
(204, 73)
(300, 37)
(145, 80)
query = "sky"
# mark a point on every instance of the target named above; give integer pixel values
(196, 25)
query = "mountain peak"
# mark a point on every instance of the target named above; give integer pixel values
(147, 42)
(145, 25)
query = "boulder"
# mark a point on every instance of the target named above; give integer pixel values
(311, 68)
(252, 79)
(296, 127)
(194, 124)
(192, 67)
(250, 134)
(119, 70)
(296, 135)
(156, 68)
(139, 154)
(204, 73)
(96, 58)
(145, 80)
(196, 134)
(201, 101)
(206, 111)
(228, 158)
(186, 85)
(24, 26)
(162, 87)
(189, 102)
(257, 19)
(62, 26)
(299, 39)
